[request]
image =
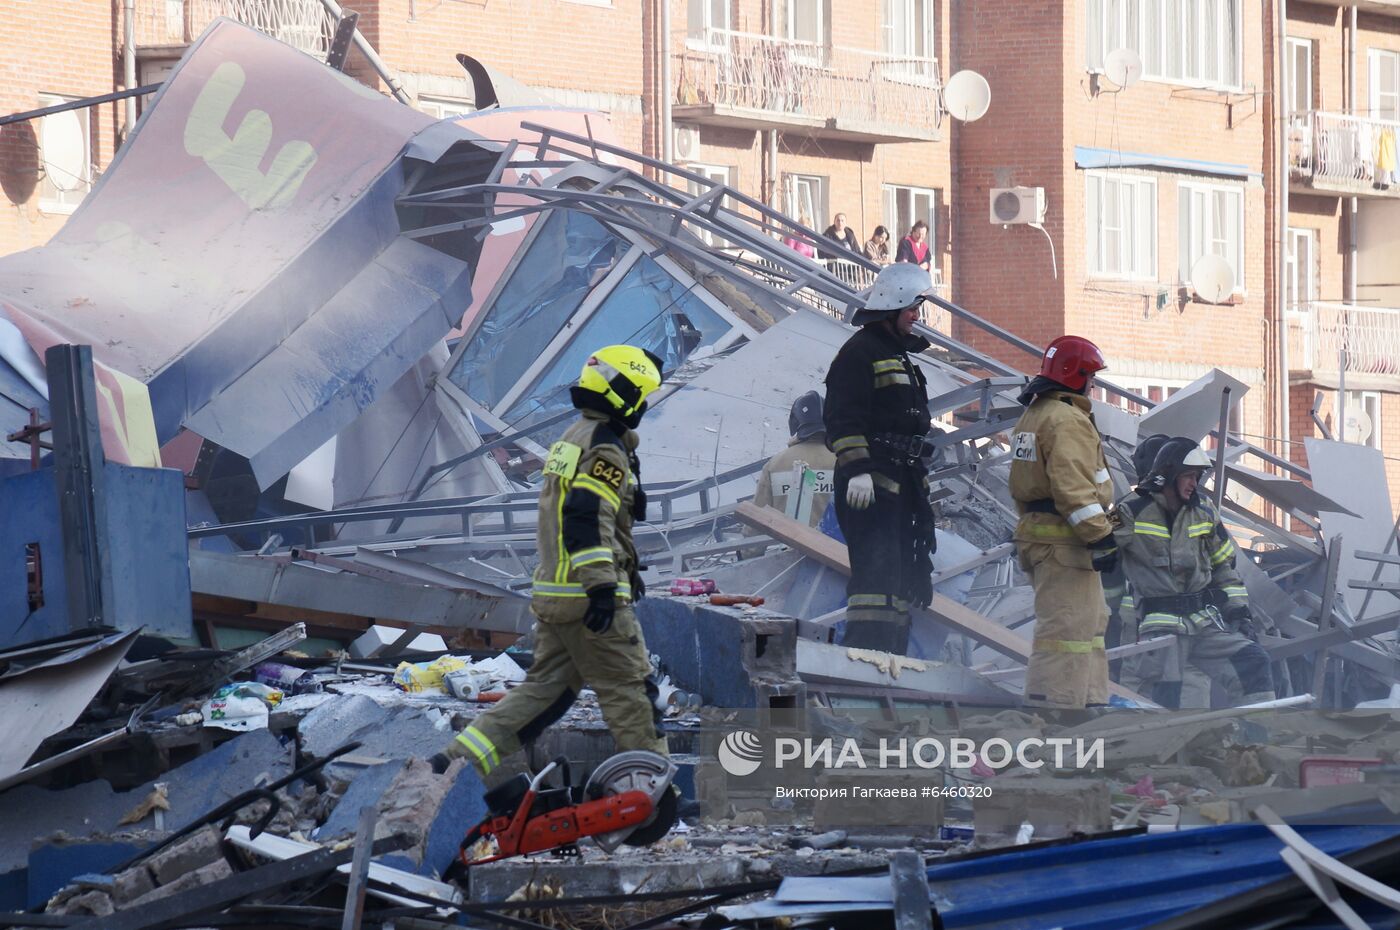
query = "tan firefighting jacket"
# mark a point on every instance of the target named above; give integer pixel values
(1056, 455)
(777, 474)
(585, 519)
(1166, 557)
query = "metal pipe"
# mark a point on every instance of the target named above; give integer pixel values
(667, 147)
(1281, 288)
(372, 57)
(1220, 449)
(129, 62)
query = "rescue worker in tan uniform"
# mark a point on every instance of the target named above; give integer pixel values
(1064, 539)
(807, 445)
(587, 579)
(1181, 563)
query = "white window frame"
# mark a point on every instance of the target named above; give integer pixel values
(1387, 105)
(914, 52)
(703, 30)
(443, 107)
(1190, 228)
(51, 199)
(1370, 402)
(890, 195)
(1136, 243)
(1167, 58)
(1299, 51)
(810, 189)
(719, 174)
(1301, 264)
(818, 56)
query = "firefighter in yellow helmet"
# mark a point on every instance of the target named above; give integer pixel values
(1064, 539)
(587, 579)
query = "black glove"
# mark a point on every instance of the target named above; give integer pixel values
(439, 761)
(639, 587)
(639, 496)
(1105, 554)
(601, 608)
(921, 587)
(1241, 620)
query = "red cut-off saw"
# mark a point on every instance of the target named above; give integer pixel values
(628, 799)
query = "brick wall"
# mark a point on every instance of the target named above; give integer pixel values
(50, 48)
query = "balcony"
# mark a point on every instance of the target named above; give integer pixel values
(1364, 341)
(749, 81)
(173, 24)
(1343, 154)
(1383, 7)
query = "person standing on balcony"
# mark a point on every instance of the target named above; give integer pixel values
(877, 418)
(914, 248)
(802, 246)
(841, 234)
(877, 247)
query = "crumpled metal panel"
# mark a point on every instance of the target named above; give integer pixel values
(225, 228)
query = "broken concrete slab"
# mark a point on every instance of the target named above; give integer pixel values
(497, 881)
(334, 723)
(873, 801)
(200, 877)
(1194, 410)
(1355, 477)
(1055, 807)
(195, 851)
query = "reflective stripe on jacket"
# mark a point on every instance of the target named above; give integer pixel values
(1056, 454)
(585, 518)
(1165, 557)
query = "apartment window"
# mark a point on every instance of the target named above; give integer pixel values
(1299, 60)
(1363, 415)
(1301, 268)
(1179, 41)
(719, 174)
(1385, 83)
(703, 16)
(806, 199)
(903, 205)
(1211, 222)
(1121, 221)
(807, 24)
(65, 150)
(906, 30)
(443, 107)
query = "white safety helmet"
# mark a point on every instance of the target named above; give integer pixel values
(896, 287)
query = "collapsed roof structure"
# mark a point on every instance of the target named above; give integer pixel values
(353, 328)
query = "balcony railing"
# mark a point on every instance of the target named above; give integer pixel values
(303, 24)
(785, 79)
(1339, 151)
(1330, 337)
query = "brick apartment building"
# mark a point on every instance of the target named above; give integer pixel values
(1342, 258)
(825, 106)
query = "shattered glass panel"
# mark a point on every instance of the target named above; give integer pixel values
(570, 255)
(648, 308)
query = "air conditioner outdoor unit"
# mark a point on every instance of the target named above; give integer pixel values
(686, 143)
(1010, 205)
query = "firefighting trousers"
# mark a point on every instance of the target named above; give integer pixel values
(1068, 667)
(889, 545)
(1232, 660)
(614, 664)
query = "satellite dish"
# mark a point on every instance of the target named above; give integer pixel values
(967, 95)
(64, 150)
(1358, 426)
(1123, 67)
(1212, 279)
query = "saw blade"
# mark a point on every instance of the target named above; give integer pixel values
(637, 770)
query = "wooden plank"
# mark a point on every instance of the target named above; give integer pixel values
(817, 545)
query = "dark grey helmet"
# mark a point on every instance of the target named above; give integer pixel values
(1146, 453)
(805, 418)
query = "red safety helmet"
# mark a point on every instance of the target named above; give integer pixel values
(1072, 361)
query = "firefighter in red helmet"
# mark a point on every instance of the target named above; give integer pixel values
(1064, 539)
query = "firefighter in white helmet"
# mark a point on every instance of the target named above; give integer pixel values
(876, 422)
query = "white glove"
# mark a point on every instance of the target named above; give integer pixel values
(860, 492)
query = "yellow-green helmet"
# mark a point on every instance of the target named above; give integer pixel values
(623, 376)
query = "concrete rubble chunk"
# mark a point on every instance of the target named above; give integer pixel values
(131, 884)
(337, 722)
(212, 872)
(1055, 807)
(96, 903)
(193, 852)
